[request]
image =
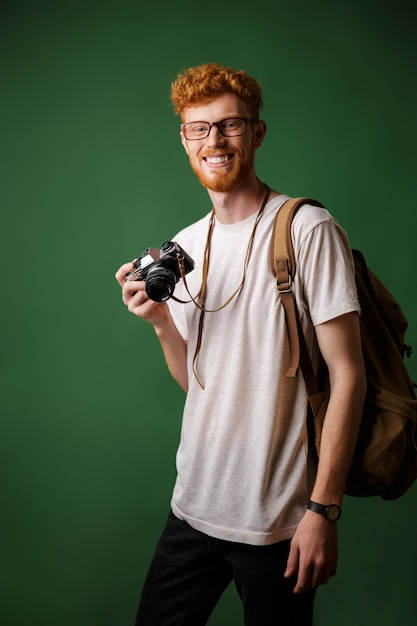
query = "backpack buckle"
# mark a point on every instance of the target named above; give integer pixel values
(285, 287)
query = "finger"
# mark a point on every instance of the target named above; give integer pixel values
(324, 577)
(145, 308)
(313, 576)
(304, 580)
(122, 271)
(292, 562)
(134, 290)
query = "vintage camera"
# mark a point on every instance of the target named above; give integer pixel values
(160, 269)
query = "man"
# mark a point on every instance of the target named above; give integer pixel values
(243, 503)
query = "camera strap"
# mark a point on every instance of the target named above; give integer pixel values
(199, 299)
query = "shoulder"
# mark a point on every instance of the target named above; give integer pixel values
(316, 222)
(309, 216)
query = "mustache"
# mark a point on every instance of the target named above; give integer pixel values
(220, 152)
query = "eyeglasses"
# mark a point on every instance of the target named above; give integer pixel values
(231, 127)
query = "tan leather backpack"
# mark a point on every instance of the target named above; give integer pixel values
(385, 460)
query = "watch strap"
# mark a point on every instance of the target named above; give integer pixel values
(331, 512)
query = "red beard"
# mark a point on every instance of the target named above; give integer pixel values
(224, 179)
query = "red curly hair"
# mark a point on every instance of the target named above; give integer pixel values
(202, 84)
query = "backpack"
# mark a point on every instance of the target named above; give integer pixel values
(385, 458)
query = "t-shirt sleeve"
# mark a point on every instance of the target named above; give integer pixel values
(325, 269)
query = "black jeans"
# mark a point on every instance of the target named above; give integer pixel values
(190, 571)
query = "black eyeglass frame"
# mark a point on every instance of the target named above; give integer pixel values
(247, 120)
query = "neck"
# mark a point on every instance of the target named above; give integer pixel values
(240, 203)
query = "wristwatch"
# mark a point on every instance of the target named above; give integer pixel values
(331, 512)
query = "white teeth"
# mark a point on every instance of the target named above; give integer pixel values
(219, 159)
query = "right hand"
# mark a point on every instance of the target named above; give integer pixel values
(136, 299)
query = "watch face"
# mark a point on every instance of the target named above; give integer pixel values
(333, 513)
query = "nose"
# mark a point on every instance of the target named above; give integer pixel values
(215, 136)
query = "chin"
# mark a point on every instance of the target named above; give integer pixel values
(220, 184)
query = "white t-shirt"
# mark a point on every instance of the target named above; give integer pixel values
(242, 470)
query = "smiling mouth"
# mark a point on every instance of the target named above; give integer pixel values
(218, 160)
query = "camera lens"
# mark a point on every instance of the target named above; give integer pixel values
(160, 284)
(168, 246)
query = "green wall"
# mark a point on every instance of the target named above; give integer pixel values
(92, 173)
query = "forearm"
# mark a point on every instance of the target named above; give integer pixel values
(339, 436)
(173, 345)
(340, 344)
(314, 546)
(175, 351)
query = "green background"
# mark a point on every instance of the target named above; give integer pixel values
(92, 173)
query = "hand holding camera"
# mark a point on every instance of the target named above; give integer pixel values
(161, 270)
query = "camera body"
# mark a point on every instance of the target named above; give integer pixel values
(160, 269)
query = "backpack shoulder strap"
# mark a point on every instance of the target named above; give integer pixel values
(285, 268)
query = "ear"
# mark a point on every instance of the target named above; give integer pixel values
(259, 134)
(184, 142)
